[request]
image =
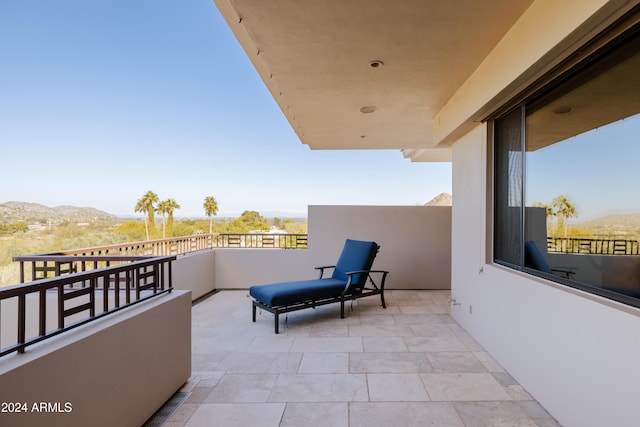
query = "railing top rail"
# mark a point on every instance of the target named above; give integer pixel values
(130, 244)
(65, 258)
(53, 282)
(260, 234)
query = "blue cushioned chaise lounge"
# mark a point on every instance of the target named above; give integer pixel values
(351, 279)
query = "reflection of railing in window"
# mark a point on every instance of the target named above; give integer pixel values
(571, 245)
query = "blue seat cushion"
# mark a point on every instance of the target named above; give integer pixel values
(289, 293)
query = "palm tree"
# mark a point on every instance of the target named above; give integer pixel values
(210, 210)
(170, 206)
(564, 210)
(149, 200)
(142, 207)
(163, 208)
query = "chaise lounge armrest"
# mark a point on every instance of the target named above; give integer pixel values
(375, 288)
(323, 268)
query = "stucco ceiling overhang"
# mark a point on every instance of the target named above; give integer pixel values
(317, 59)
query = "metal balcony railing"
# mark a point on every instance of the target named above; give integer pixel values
(74, 297)
(251, 240)
(598, 246)
(53, 264)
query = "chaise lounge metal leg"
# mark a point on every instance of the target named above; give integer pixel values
(384, 305)
(277, 321)
(254, 311)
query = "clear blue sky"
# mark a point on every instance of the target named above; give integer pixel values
(595, 170)
(102, 101)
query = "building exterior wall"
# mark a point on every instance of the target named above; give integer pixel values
(574, 352)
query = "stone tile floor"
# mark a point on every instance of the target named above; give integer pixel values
(407, 365)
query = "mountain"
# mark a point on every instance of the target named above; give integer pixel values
(615, 225)
(442, 199)
(35, 213)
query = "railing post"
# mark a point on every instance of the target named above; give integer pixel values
(43, 313)
(92, 297)
(116, 295)
(22, 321)
(21, 271)
(105, 292)
(60, 307)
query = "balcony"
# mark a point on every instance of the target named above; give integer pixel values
(399, 365)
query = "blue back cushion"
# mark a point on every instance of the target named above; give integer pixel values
(533, 257)
(356, 255)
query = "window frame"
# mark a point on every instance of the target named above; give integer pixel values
(600, 49)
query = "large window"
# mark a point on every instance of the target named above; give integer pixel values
(567, 181)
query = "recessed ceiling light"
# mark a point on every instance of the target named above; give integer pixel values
(376, 64)
(368, 109)
(562, 110)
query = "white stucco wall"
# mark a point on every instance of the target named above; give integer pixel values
(240, 268)
(415, 241)
(195, 272)
(113, 372)
(415, 247)
(575, 353)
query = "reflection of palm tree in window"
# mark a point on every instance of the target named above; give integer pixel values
(563, 209)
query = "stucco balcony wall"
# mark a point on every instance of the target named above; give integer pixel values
(415, 247)
(117, 371)
(195, 272)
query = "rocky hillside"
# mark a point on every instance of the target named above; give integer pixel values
(442, 199)
(34, 213)
(615, 225)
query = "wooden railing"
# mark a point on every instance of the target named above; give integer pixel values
(186, 244)
(160, 247)
(76, 297)
(52, 264)
(598, 246)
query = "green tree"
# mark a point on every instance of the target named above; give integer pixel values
(187, 227)
(248, 221)
(254, 220)
(13, 228)
(295, 227)
(277, 222)
(210, 210)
